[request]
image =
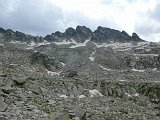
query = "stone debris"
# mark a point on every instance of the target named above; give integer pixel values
(79, 75)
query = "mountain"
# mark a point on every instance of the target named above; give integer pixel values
(102, 34)
(80, 74)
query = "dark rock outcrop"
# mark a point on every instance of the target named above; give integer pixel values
(10, 35)
(43, 60)
(80, 34)
(3, 105)
(103, 34)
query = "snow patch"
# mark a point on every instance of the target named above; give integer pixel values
(43, 43)
(62, 64)
(102, 67)
(136, 70)
(91, 57)
(136, 95)
(63, 96)
(147, 50)
(28, 48)
(128, 94)
(157, 81)
(118, 46)
(98, 45)
(80, 44)
(33, 44)
(122, 80)
(144, 55)
(81, 96)
(143, 44)
(53, 73)
(51, 102)
(95, 92)
(66, 42)
(16, 42)
(154, 69)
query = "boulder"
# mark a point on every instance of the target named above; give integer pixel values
(20, 80)
(3, 105)
(63, 116)
(7, 88)
(34, 88)
(72, 74)
(2, 74)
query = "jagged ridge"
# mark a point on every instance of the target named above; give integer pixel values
(80, 34)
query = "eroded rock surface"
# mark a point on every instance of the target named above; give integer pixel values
(79, 75)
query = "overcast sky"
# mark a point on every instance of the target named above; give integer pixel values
(41, 17)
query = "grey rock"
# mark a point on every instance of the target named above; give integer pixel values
(3, 118)
(135, 37)
(71, 74)
(2, 93)
(84, 117)
(63, 116)
(103, 34)
(20, 80)
(2, 74)
(1, 82)
(8, 87)
(3, 105)
(125, 73)
(33, 87)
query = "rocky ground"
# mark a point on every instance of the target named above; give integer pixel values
(79, 75)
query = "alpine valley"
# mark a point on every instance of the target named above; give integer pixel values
(80, 74)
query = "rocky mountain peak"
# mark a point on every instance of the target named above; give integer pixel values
(70, 31)
(8, 31)
(103, 34)
(125, 33)
(2, 30)
(135, 37)
(80, 34)
(83, 30)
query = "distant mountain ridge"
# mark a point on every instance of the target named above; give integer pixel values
(80, 34)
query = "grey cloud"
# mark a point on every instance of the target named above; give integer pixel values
(155, 14)
(147, 28)
(106, 1)
(149, 25)
(113, 1)
(32, 16)
(37, 17)
(73, 19)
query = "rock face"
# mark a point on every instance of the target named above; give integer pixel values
(103, 34)
(79, 75)
(3, 105)
(9, 35)
(81, 33)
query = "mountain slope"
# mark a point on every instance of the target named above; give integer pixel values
(79, 74)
